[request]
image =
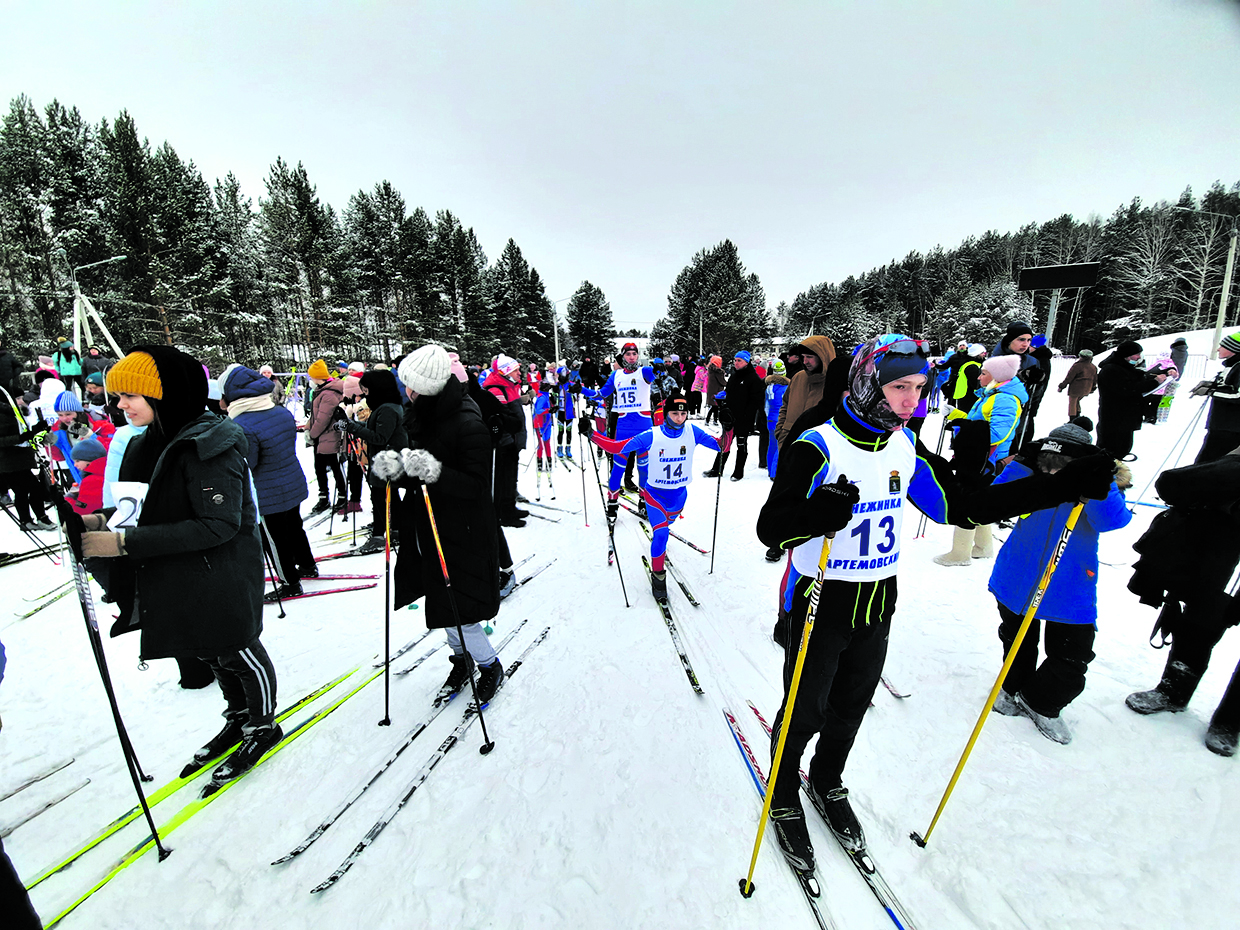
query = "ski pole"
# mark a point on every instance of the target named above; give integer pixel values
(1183, 438)
(1034, 601)
(938, 450)
(718, 485)
(487, 743)
(43, 547)
(611, 532)
(87, 603)
(273, 563)
(387, 599)
(746, 883)
(585, 512)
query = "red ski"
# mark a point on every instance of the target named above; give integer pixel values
(322, 577)
(297, 597)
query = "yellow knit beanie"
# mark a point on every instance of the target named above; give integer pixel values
(319, 371)
(135, 374)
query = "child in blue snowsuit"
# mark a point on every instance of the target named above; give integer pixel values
(665, 463)
(776, 386)
(566, 387)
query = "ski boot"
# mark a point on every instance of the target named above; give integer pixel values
(774, 554)
(658, 586)
(641, 509)
(559, 452)
(613, 508)
(321, 507)
(282, 592)
(215, 746)
(489, 678)
(507, 582)
(840, 817)
(462, 666)
(792, 834)
(568, 452)
(374, 544)
(253, 747)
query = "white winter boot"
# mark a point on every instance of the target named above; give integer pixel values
(962, 547)
(983, 543)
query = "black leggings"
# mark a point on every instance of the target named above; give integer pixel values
(323, 463)
(292, 546)
(1054, 684)
(26, 494)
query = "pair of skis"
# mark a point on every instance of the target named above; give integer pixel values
(860, 858)
(455, 737)
(666, 610)
(438, 705)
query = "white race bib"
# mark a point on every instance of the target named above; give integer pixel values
(669, 463)
(632, 392)
(129, 497)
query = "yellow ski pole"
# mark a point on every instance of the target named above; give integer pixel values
(1051, 564)
(746, 883)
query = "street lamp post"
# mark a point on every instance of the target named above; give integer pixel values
(1226, 291)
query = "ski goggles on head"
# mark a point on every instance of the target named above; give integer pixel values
(904, 346)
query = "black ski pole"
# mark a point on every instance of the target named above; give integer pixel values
(713, 532)
(273, 563)
(74, 530)
(611, 533)
(487, 743)
(43, 547)
(387, 606)
(585, 511)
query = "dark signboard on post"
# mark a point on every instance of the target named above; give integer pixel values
(1049, 277)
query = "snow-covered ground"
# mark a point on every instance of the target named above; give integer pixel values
(615, 797)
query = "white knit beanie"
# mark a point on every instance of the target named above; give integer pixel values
(426, 370)
(1002, 368)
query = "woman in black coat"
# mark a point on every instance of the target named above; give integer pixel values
(383, 430)
(189, 563)
(450, 458)
(1121, 398)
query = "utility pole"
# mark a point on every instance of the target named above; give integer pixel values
(1223, 295)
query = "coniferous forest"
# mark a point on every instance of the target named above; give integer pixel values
(290, 279)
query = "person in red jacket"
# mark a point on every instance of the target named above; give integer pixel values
(91, 457)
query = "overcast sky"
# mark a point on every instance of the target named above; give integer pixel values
(612, 141)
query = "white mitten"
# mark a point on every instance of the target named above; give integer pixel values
(421, 465)
(387, 466)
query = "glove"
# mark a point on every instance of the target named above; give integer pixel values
(831, 506)
(387, 466)
(971, 445)
(1061, 389)
(1088, 477)
(575, 388)
(103, 545)
(350, 427)
(494, 423)
(585, 426)
(421, 465)
(94, 522)
(32, 433)
(1204, 388)
(726, 420)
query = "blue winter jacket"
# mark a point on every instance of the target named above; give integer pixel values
(1000, 406)
(1072, 596)
(272, 434)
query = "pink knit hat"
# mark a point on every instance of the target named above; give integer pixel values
(1002, 368)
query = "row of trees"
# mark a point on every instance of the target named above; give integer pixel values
(1162, 270)
(285, 281)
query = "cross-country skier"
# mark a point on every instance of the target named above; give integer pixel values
(630, 387)
(542, 422)
(665, 460)
(188, 569)
(569, 384)
(849, 479)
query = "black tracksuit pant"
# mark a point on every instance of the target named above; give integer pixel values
(26, 493)
(844, 662)
(323, 464)
(1050, 687)
(248, 681)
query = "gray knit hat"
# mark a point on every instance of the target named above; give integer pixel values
(1069, 440)
(426, 370)
(1085, 353)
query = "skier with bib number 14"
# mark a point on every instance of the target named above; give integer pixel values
(665, 468)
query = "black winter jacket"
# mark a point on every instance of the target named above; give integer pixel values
(449, 426)
(1121, 389)
(745, 393)
(195, 559)
(10, 373)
